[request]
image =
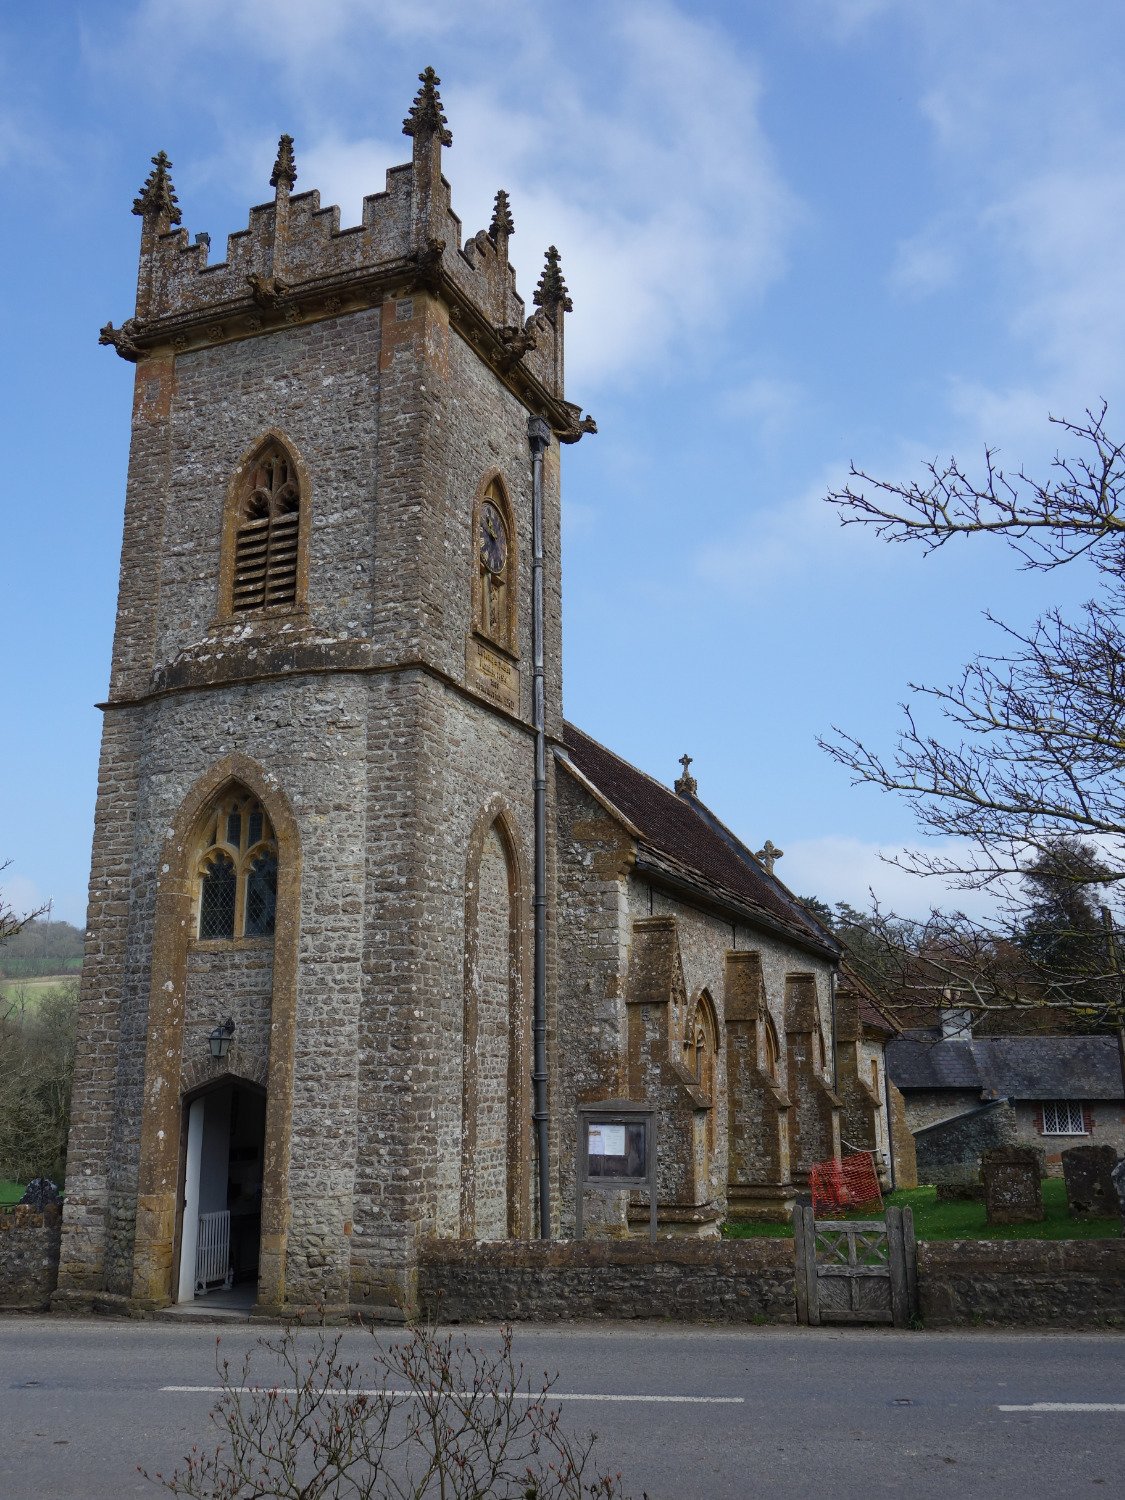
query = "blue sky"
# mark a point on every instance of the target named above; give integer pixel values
(796, 234)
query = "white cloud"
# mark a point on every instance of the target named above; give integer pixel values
(20, 895)
(838, 868)
(794, 537)
(668, 216)
(924, 264)
(768, 406)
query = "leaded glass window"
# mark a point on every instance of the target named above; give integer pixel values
(237, 872)
(261, 895)
(217, 897)
(1063, 1117)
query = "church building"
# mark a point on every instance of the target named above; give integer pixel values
(369, 921)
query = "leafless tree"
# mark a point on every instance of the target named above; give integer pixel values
(1032, 749)
(10, 921)
(425, 1416)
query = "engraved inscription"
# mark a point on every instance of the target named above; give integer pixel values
(494, 676)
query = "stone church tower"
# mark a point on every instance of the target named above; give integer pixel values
(370, 925)
(308, 988)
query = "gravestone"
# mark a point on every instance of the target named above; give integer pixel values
(41, 1194)
(1090, 1190)
(1012, 1190)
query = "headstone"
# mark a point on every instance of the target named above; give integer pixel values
(1090, 1190)
(41, 1193)
(1012, 1190)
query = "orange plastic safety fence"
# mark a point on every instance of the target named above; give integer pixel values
(838, 1186)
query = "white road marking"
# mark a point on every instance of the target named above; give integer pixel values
(283, 1390)
(1067, 1406)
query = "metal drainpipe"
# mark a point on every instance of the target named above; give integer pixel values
(538, 437)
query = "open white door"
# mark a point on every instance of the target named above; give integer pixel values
(189, 1234)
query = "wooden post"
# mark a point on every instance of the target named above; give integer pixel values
(810, 1265)
(800, 1279)
(896, 1264)
(910, 1246)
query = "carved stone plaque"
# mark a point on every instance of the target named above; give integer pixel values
(493, 675)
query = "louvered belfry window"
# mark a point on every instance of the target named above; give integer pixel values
(265, 551)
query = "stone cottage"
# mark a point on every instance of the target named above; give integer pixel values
(964, 1094)
(368, 920)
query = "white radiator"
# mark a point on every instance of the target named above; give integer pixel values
(212, 1254)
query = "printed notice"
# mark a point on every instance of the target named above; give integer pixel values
(607, 1140)
(494, 675)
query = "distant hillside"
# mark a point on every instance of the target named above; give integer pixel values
(42, 948)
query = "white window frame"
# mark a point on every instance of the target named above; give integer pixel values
(1062, 1114)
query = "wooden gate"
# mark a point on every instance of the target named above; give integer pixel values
(855, 1270)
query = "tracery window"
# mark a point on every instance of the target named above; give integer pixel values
(495, 568)
(770, 1046)
(700, 1056)
(700, 1045)
(267, 533)
(237, 871)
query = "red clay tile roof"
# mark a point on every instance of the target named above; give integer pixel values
(689, 838)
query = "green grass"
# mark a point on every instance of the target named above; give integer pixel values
(966, 1221)
(31, 991)
(10, 1192)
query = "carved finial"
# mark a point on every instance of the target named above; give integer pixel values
(501, 217)
(158, 197)
(426, 115)
(769, 855)
(686, 785)
(285, 167)
(551, 293)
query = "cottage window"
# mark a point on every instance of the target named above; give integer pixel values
(267, 534)
(1063, 1117)
(237, 872)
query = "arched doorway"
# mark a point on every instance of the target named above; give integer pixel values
(224, 1130)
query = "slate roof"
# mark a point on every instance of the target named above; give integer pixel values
(685, 839)
(1011, 1067)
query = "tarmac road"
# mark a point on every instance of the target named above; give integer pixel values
(753, 1412)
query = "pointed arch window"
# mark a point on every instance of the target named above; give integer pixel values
(770, 1047)
(494, 570)
(267, 534)
(237, 871)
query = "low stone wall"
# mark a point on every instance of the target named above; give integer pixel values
(721, 1281)
(29, 1256)
(1040, 1283)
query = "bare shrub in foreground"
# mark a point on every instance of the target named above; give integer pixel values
(426, 1416)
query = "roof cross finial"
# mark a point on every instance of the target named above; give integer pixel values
(551, 293)
(501, 217)
(426, 115)
(285, 167)
(686, 785)
(769, 855)
(157, 198)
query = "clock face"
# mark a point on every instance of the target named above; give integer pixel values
(493, 538)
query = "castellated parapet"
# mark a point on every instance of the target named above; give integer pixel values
(294, 265)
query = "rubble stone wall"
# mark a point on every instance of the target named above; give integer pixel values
(29, 1257)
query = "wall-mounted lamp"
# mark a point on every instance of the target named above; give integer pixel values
(220, 1038)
